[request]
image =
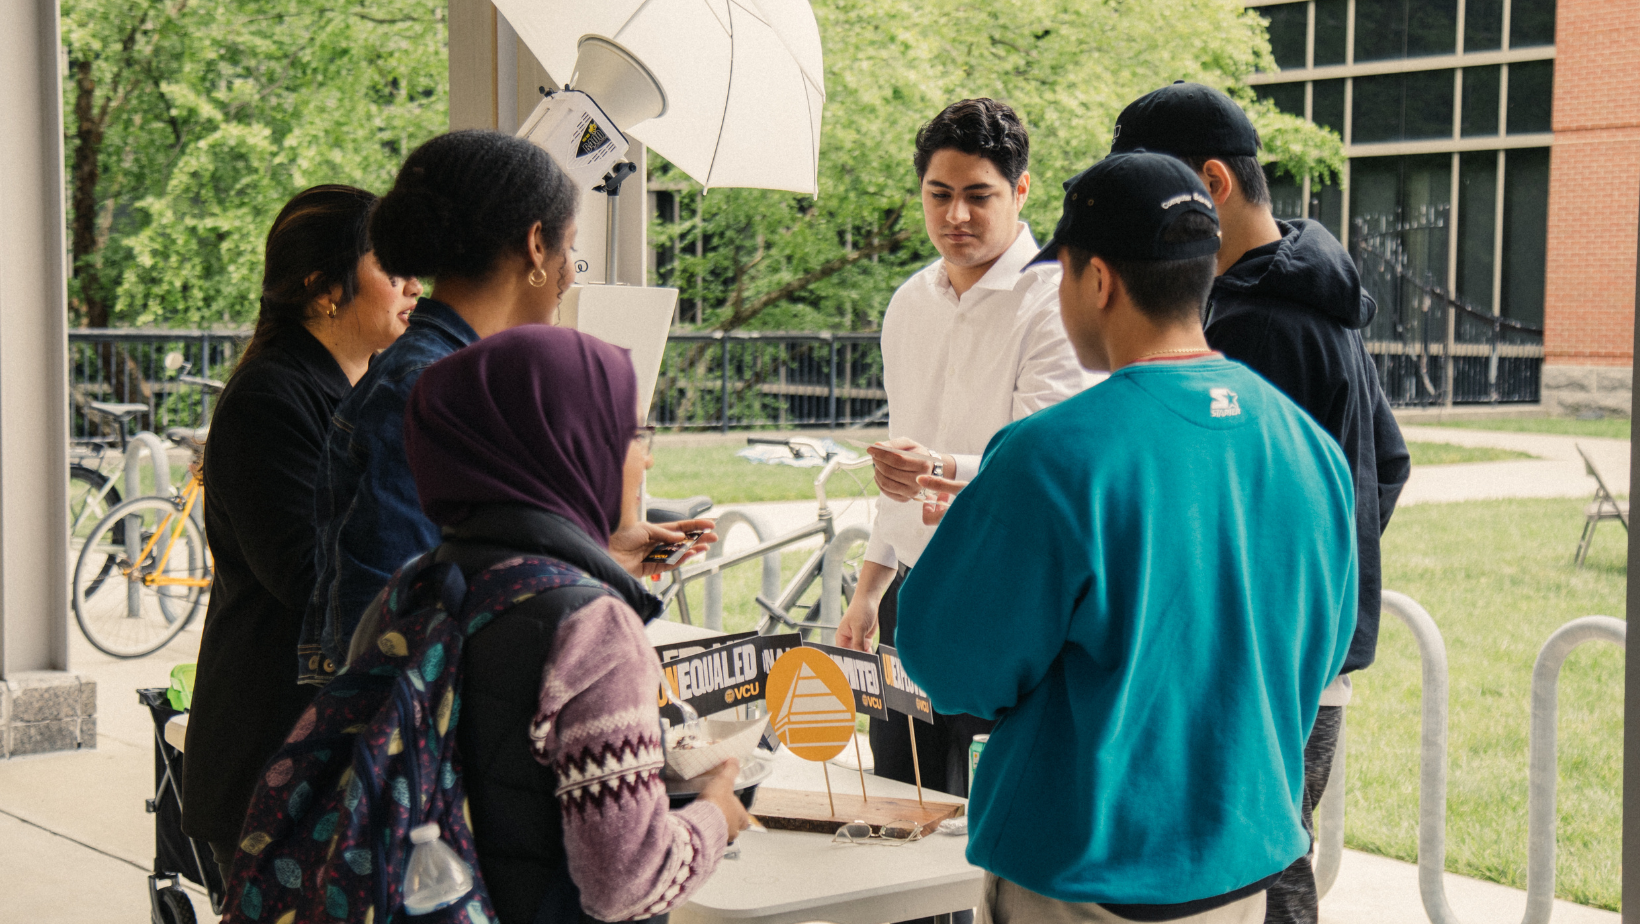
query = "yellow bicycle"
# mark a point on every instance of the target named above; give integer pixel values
(144, 569)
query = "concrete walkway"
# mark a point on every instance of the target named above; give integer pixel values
(1556, 472)
(76, 845)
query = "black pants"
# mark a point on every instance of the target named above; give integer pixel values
(942, 748)
(1293, 898)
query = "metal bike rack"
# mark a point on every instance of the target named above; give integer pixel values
(1329, 819)
(156, 450)
(831, 575)
(1540, 829)
(151, 445)
(760, 527)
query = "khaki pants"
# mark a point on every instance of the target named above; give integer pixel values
(1007, 903)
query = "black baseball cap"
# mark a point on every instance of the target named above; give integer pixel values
(1121, 207)
(1185, 119)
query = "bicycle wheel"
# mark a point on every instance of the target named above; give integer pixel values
(90, 495)
(139, 581)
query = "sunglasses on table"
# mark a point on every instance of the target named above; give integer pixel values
(893, 833)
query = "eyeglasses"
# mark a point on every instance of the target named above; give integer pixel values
(893, 833)
(646, 436)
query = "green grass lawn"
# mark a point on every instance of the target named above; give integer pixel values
(1611, 427)
(1446, 454)
(1497, 577)
(683, 471)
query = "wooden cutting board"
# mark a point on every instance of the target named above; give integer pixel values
(801, 810)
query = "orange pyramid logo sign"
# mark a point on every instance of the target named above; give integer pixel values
(813, 706)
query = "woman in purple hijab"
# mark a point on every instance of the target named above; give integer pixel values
(528, 442)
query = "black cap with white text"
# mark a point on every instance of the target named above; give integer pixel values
(1121, 208)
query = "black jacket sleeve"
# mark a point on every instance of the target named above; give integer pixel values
(1394, 460)
(262, 464)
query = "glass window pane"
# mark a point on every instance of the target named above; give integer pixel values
(1428, 105)
(1380, 29)
(1286, 194)
(1402, 204)
(1331, 24)
(1480, 101)
(1426, 200)
(1531, 22)
(1432, 27)
(1531, 96)
(1477, 201)
(1327, 207)
(1327, 104)
(1377, 110)
(1525, 232)
(1289, 27)
(1288, 97)
(1374, 192)
(1483, 25)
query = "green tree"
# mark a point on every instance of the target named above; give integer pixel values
(190, 122)
(772, 260)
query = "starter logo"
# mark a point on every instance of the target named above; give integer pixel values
(1224, 403)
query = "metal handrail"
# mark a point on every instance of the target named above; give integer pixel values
(1432, 760)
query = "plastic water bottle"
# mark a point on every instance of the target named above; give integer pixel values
(436, 876)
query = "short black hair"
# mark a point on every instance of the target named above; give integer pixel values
(982, 126)
(465, 198)
(1166, 291)
(1249, 174)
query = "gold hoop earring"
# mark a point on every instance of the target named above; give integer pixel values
(538, 272)
(332, 312)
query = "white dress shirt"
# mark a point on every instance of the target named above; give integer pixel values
(959, 368)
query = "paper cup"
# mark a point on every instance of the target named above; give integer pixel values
(737, 739)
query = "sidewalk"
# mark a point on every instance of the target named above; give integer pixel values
(76, 844)
(1556, 472)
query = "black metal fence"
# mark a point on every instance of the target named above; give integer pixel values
(1431, 347)
(747, 379)
(128, 367)
(708, 381)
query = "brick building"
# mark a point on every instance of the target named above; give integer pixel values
(1494, 158)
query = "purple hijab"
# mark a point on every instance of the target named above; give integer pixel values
(534, 415)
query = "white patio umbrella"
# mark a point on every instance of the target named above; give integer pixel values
(742, 79)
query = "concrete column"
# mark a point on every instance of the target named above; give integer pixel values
(42, 706)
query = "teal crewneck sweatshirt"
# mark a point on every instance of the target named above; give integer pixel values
(1150, 584)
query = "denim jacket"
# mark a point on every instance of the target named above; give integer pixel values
(366, 509)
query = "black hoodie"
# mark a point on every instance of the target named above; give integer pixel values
(1293, 310)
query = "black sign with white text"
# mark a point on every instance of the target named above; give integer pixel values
(864, 675)
(902, 695)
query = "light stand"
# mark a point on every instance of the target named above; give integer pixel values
(611, 188)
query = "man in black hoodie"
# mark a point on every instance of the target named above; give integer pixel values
(1287, 302)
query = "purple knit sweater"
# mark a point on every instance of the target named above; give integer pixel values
(598, 728)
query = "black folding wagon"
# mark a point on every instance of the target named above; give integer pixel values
(176, 855)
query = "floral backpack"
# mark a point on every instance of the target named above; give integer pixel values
(327, 838)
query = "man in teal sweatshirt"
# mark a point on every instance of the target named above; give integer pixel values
(1148, 584)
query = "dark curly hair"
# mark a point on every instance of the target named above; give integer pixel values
(982, 126)
(464, 199)
(316, 243)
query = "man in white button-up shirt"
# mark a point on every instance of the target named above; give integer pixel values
(970, 344)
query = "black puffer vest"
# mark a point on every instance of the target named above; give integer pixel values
(515, 812)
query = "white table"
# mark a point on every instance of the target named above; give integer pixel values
(785, 876)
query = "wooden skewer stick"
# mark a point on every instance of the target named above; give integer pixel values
(829, 801)
(861, 763)
(916, 767)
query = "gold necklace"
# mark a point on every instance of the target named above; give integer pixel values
(1172, 352)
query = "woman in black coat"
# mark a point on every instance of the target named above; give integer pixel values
(327, 306)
